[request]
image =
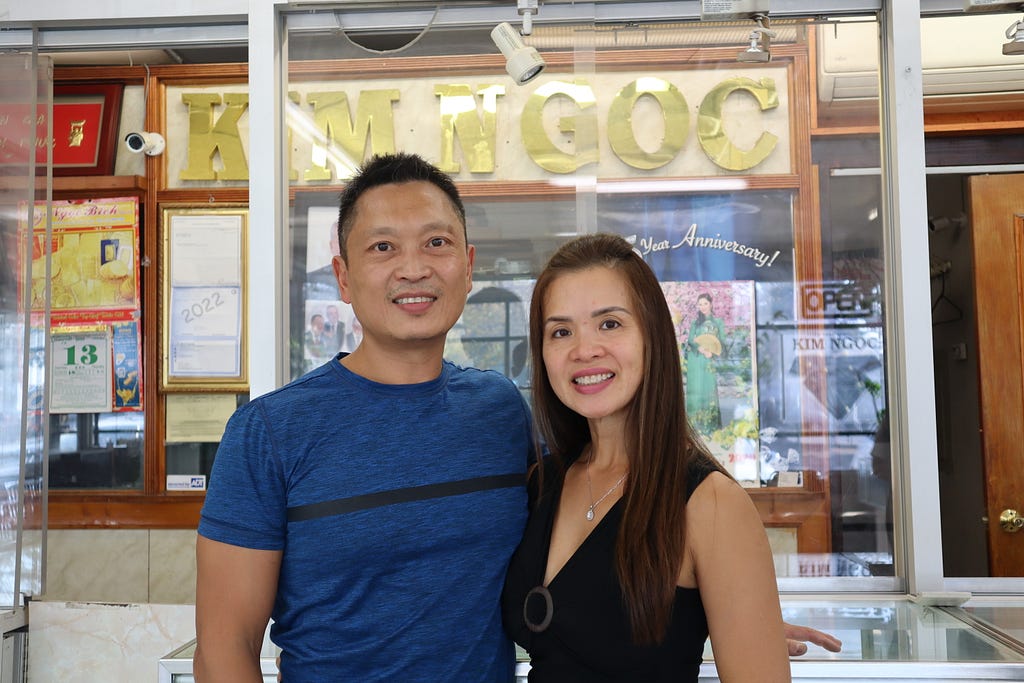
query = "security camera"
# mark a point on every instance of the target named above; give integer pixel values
(149, 143)
(522, 63)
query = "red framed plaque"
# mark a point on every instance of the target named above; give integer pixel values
(85, 123)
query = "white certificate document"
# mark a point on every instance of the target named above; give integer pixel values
(205, 331)
(204, 296)
(206, 249)
(205, 358)
(205, 312)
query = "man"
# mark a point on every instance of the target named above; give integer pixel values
(315, 347)
(371, 506)
(334, 329)
(321, 283)
(315, 333)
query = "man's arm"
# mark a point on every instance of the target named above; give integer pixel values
(235, 589)
(797, 638)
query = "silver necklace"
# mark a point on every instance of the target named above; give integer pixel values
(590, 491)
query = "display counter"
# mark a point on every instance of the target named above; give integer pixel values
(899, 640)
(14, 632)
(1004, 618)
(176, 667)
(894, 640)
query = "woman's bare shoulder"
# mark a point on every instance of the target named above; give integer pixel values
(718, 500)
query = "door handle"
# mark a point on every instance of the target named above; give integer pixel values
(1010, 521)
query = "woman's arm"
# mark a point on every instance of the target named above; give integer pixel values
(691, 345)
(736, 576)
(720, 331)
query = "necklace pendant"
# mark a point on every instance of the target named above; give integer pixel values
(590, 513)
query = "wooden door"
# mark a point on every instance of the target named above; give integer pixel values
(997, 223)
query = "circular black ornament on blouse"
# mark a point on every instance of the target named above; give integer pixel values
(538, 609)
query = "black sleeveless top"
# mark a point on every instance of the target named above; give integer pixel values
(578, 629)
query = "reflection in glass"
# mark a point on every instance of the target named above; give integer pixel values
(1008, 618)
(895, 631)
(795, 389)
(24, 84)
(492, 333)
(96, 450)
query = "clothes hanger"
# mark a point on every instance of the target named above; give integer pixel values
(952, 312)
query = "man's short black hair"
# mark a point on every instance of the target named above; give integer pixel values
(387, 169)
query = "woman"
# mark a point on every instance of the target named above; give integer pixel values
(638, 545)
(703, 347)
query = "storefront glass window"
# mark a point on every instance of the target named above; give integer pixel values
(727, 176)
(24, 90)
(974, 190)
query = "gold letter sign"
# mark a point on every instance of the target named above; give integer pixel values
(205, 138)
(459, 117)
(711, 131)
(621, 135)
(374, 119)
(539, 146)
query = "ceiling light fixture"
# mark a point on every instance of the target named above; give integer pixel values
(759, 50)
(1016, 35)
(523, 63)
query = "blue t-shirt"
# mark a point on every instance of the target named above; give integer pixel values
(396, 507)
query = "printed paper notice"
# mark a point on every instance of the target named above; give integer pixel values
(731, 9)
(81, 378)
(193, 418)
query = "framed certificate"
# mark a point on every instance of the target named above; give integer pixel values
(204, 298)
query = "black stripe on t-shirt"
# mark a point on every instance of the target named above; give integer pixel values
(301, 513)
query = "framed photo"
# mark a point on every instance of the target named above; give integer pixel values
(321, 324)
(85, 124)
(204, 298)
(714, 323)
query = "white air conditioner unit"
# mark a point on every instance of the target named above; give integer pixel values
(960, 55)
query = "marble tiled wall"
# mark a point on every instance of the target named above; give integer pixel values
(75, 642)
(121, 565)
(159, 566)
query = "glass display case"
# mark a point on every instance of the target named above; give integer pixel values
(1004, 618)
(883, 639)
(176, 667)
(900, 640)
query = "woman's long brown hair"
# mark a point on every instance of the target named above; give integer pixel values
(649, 547)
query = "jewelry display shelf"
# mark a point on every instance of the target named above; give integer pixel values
(892, 640)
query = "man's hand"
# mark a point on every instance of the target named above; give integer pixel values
(797, 638)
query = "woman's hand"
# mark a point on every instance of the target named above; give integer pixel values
(797, 638)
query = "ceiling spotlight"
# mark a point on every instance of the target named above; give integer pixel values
(1016, 35)
(760, 42)
(522, 63)
(527, 8)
